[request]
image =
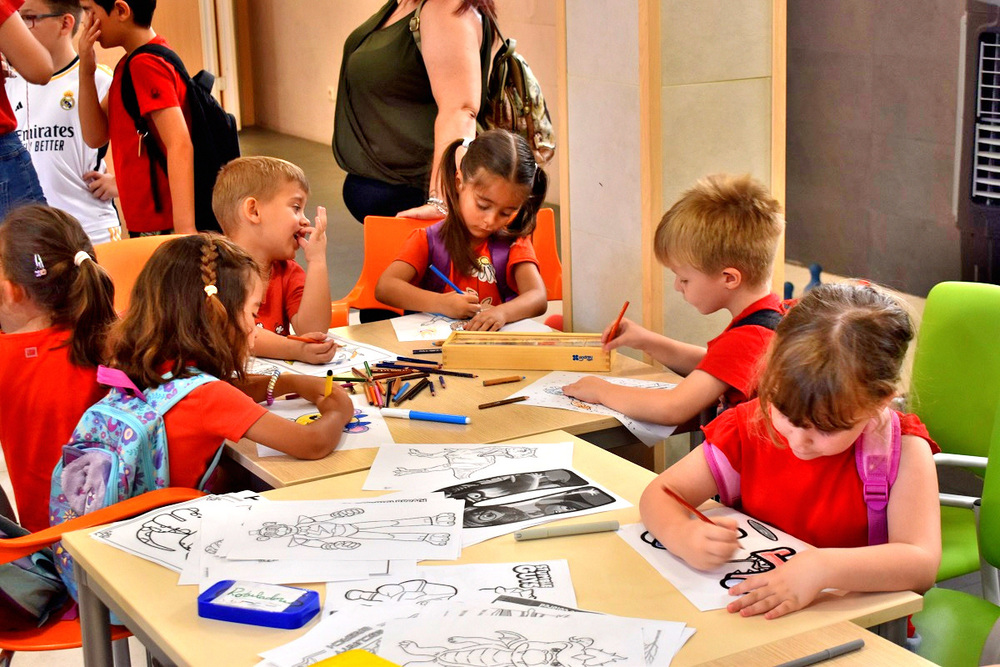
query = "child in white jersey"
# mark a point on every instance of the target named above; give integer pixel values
(73, 175)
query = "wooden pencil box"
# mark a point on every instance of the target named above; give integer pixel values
(556, 351)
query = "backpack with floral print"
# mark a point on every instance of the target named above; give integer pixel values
(118, 450)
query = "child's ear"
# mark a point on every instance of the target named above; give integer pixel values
(123, 8)
(10, 292)
(250, 210)
(732, 278)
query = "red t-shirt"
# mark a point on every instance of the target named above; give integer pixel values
(198, 424)
(283, 296)
(483, 282)
(820, 501)
(733, 355)
(44, 396)
(8, 123)
(157, 86)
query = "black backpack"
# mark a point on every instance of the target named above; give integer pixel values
(213, 133)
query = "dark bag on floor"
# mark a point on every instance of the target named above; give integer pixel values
(30, 587)
(213, 133)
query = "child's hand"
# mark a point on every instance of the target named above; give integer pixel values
(459, 306)
(788, 587)
(707, 546)
(101, 186)
(590, 389)
(88, 37)
(488, 319)
(338, 402)
(320, 352)
(315, 245)
(629, 335)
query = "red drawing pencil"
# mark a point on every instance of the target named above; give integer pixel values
(686, 505)
(614, 327)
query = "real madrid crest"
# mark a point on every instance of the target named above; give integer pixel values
(67, 102)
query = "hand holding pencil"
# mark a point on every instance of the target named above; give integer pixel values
(706, 544)
(315, 347)
(624, 333)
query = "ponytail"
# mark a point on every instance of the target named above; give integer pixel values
(46, 252)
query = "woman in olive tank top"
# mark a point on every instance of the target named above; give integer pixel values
(398, 105)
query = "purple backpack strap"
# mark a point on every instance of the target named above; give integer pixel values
(877, 457)
(437, 255)
(112, 377)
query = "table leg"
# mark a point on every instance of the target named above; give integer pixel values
(95, 624)
(894, 631)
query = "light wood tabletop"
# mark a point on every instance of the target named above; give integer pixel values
(608, 575)
(462, 396)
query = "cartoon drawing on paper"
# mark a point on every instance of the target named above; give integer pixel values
(417, 591)
(465, 462)
(510, 648)
(355, 425)
(651, 648)
(324, 532)
(167, 532)
(564, 502)
(762, 529)
(526, 593)
(510, 485)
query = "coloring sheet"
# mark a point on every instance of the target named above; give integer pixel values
(547, 392)
(165, 535)
(581, 640)
(763, 549)
(350, 354)
(433, 326)
(468, 584)
(366, 429)
(502, 504)
(408, 528)
(429, 467)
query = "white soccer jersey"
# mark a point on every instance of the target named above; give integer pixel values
(48, 124)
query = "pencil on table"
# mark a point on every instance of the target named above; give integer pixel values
(503, 380)
(417, 389)
(506, 401)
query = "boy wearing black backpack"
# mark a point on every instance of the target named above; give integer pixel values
(164, 128)
(720, 239)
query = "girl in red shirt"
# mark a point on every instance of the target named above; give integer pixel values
(56, 304)
(483, 245)
(831, 372)
(193, 307)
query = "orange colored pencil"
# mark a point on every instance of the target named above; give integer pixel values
(614, 327)
(686, 505)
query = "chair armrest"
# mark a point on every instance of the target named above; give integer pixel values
(339, 313)
(17, 547)
(960, 461)
(955, 500)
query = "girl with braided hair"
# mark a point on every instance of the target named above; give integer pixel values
(56, 304)
(192, 311)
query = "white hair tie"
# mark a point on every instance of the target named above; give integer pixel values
(211, 290)
(466, 142)
(80, 257)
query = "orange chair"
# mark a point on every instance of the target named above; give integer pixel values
(544, 240)
(59, 634)
(383, 239)
(124, 259)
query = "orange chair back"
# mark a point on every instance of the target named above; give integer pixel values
(124, 259)
(546, 249)
(383, 239)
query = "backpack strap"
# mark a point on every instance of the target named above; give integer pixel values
(876, 455)
(173, 390)
(499, 256)
(765, 317)
(112, 377)
(437, 255)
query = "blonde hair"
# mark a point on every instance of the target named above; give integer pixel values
(836, 357)
(723, 221)
(259, 177)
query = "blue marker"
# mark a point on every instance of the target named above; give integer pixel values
(443, 277)
(425, 416)
(406, 385)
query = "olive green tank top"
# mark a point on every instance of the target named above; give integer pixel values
(384, 122)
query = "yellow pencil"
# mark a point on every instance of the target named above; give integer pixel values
(328, 389)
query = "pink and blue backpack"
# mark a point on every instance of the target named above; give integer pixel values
(118, 450)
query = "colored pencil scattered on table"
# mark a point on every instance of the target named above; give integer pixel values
(503, 380)
(506, 401)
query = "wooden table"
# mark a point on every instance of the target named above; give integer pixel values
(608, 575)
(462, 396)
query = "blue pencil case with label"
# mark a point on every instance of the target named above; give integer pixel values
(249, 602)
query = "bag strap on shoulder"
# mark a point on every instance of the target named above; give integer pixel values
(877, 459)
(766, 318)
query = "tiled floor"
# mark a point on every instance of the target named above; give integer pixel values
(344, 256)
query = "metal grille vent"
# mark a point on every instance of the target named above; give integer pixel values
(986, 172)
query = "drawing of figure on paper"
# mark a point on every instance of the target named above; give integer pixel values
(171, 531)
(757, 562)
(357, 424)
(526, 593)
(326, 532)
(419, 591)
(564, 502)
(510, 485)
(464, 462)
(510, 648)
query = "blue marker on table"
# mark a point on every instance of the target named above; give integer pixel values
(406, 385)
(443, 277)
(425, 416)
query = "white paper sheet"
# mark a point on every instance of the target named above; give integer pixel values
(547, 392)
(351, 354)
(366, 529)
(431, 326)
(367, 429)
(468, 584)
(762, 548)
(431, 467)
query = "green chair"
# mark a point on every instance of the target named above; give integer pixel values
(955, 390)
(954, 626)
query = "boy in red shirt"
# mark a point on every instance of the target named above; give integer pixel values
(161, 95)
(719, 239)
(260, 203)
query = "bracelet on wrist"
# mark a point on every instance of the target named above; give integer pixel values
(439, 204)
(270, 386)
